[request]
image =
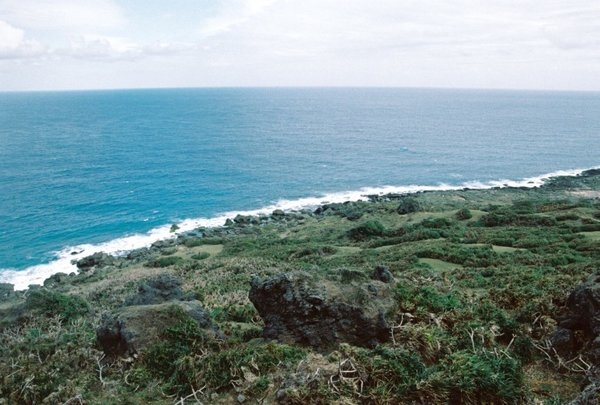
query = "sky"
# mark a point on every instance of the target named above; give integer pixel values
(106, 44)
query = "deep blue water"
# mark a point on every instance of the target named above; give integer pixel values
(90, 167)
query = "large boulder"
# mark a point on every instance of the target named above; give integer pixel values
(97, 260)
(129, 330)
(296, 310)
(162, 288)
(584, 316)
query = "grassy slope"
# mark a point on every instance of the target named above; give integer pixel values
(476, 297)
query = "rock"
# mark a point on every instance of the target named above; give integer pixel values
(583, 315)
(138, 254)
(228, 222)
(98, 259)
(382, 274)
(129, 330)
(56, 279)
(278, 214)
(295, 311)
(7, 291)
(162, 288)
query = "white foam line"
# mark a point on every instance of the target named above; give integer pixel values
(63, 264)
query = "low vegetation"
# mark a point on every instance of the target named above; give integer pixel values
(480, 278)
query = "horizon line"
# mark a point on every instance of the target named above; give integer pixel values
(314, 87)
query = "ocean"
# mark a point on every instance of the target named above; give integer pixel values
(113, 170)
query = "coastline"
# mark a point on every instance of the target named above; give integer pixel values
(430, 295)
(66, 258)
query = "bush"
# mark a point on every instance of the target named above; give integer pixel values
(369, 228)
(463, 214)
(201, 256)
(480, 377)
(49, 303)
(408, 205)
(165, 261)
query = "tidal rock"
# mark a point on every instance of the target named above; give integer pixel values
(129, 330)
(98, 259)
(295, 310)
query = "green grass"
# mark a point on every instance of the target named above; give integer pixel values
(473, 294)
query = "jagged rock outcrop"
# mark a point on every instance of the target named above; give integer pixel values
(583, 315)
(296, 310)
(129, 330)
(98, 259)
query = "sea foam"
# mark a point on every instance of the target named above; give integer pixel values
(66, 258)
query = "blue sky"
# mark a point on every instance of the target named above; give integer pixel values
(96, 44)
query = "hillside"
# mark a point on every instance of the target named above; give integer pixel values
(436, 297)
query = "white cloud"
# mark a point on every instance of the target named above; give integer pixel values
(14, 45)
(62, 15)
(233, 13)
(467, 43)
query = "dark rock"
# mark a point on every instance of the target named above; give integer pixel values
(242, 219)
(296, 311)
(98, 259)
(382, 274)
(139, 254)
(584, 307)
(584, 316)
(278, 214)
(129, 330)
(228, 222)
(162, 288)
(563, 340)
(163, 244)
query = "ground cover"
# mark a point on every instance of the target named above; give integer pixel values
(478, 280)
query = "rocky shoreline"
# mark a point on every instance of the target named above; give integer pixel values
(463, 296)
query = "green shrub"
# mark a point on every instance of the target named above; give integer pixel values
(480, 377)
(165, 261)
(201, 256)
(50, 303)
(463, 214)
(367, 229)
(408, 205)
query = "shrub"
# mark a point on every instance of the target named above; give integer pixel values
(201, 256)
(50, 303)
(369, 228)
(164, 261)
(408, 205)
(480, 377)
(463, 214)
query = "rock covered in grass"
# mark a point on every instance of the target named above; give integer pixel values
(162, 288)
(131, 329)
(296, 309)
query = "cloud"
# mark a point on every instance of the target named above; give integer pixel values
(231, 14)
(110, 48)
(62, 15)
(14, 45)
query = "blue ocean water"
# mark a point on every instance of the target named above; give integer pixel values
(79, 170)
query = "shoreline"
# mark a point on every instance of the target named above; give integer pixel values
(65, 258)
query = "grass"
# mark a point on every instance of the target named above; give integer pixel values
(473, 294)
